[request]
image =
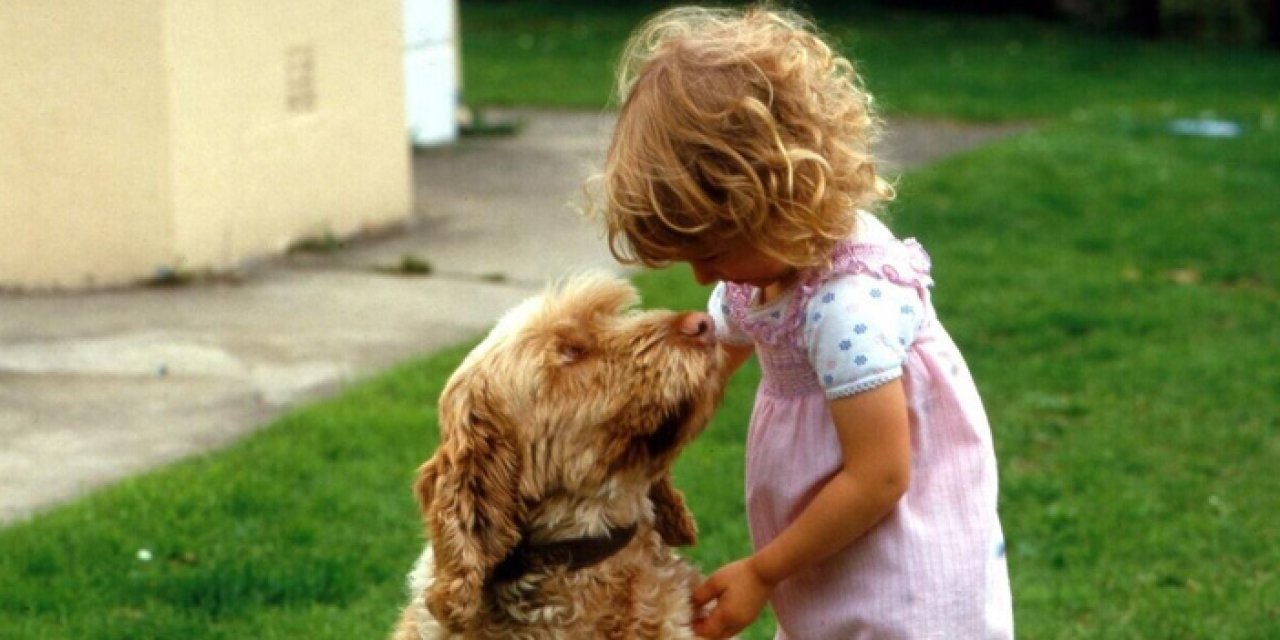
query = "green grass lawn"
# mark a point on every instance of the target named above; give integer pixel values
(1114, 287)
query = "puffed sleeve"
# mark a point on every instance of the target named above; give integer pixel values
(726, 330)
(858, 331)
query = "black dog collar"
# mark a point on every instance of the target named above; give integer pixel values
(573, 554)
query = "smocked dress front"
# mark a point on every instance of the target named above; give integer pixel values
(935, 566)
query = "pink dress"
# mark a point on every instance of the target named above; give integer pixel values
(935, 566)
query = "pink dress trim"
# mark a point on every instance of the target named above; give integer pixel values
(903, 263)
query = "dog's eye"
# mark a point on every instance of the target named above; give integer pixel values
(570, 353)
(573, 342)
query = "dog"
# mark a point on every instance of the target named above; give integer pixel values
(549, 503)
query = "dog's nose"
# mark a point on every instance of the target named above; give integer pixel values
(698, 326)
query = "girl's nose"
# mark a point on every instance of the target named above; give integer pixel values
(698, 326)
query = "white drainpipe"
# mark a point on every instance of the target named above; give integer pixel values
(431, 83)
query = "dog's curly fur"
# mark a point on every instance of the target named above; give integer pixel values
(563, 424)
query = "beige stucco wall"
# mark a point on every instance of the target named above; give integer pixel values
(84, 158)
(193, 134)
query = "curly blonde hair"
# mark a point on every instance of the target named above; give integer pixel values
(736, 126)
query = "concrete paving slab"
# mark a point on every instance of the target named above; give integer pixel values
(96, 386)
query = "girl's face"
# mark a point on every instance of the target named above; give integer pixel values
(741, 264)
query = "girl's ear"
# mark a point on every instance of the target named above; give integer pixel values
(672, 519)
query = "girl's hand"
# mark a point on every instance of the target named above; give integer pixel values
(740, 594)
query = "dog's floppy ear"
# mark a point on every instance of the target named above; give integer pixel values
(671, 518)
(468, 492)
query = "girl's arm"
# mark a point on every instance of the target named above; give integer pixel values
(736, 355)
(876, 444)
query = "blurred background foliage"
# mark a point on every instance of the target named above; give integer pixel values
(1235, 22)
(1216, 21)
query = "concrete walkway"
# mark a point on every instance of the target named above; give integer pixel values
(96, 386)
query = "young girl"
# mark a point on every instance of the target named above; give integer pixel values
(742, 148)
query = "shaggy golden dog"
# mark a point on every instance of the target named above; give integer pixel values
(549, 503)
